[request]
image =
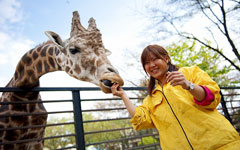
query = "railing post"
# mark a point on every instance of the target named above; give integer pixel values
(80, 141)
(224, 107)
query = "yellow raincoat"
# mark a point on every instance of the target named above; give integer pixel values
(182, 124)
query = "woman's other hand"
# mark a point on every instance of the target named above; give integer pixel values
(177, 78)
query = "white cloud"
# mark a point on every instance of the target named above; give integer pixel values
(18, 48)
(4, 37)
(12, 48)
(10, 10)
(10, 53)
(3, 59)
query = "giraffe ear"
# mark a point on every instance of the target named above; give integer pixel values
(55, 38)
(108, 52)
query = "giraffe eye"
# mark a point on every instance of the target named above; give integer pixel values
(74, 50)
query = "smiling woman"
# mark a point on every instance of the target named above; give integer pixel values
(181, 104)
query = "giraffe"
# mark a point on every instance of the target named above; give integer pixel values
(82, 56)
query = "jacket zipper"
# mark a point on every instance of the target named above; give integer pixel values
(177, 119)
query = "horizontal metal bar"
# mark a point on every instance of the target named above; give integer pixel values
(59, 136)
(105, 109)
(232, 101)
(231, 94)
(231, 108)
(35, 126)
(35, 139)
(90, 121)
(37, 101)
(111, 99)
(110, 130)
(13, 89)
(101, 99)
(70, 147)
(118, 140)
(230, 87)
(33, 114)
(145, 146)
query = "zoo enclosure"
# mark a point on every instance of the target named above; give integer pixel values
(229, 107)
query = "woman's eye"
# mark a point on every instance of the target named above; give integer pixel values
(74, 50)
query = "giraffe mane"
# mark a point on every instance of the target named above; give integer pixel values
(44, 43)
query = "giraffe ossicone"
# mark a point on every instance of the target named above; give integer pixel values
(83, 56)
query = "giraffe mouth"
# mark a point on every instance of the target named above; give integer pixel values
(108, 79)
(107, 83)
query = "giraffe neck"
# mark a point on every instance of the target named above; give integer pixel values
(34, 64)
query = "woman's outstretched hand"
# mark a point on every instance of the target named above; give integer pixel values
(117, 90)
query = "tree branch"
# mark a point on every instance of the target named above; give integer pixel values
(202, 9)
(234, 49)
(214, 49)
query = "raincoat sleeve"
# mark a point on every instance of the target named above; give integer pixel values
(141, 118)
(199, 77)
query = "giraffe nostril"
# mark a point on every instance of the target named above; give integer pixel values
(112, 70)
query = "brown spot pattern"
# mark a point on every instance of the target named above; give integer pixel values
(99, 62)
(67, 69)
(51, 62)
(50, 51)
(59, 60)
(39, 66)
(11, 135)
(57, 51)
(93, 70)
(19, 107)
(20, 70)
(32, 107)
(39, 48)
(77, 69)
(43, 52)
(46, 66)
(30, 72)
(35, 55)
(4, 108)
(16, 75)
(30, 52)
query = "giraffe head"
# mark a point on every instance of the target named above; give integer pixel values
(84, 57)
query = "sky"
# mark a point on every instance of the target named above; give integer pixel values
(23, 23)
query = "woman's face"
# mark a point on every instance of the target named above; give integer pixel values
(156, 67)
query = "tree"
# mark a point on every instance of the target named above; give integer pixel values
(147, 141)
(220, 17)
(188, 54)
(60, 130)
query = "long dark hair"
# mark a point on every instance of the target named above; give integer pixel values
(159, 52)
